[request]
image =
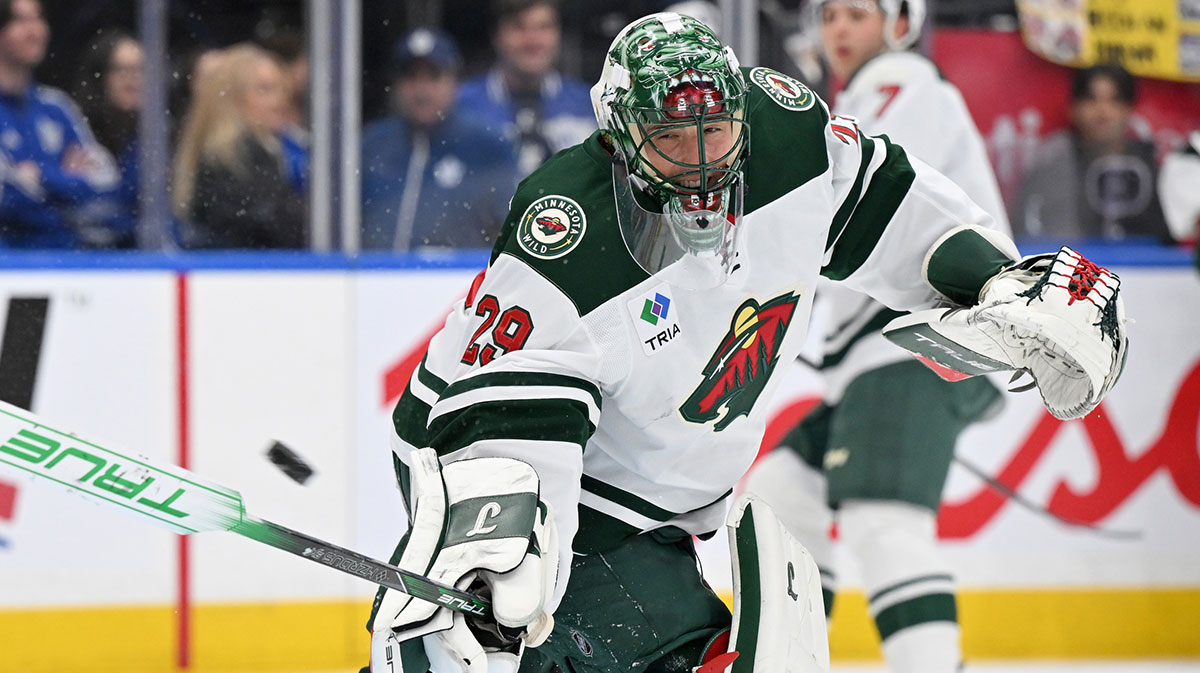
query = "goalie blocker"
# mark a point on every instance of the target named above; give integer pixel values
(1058, 317)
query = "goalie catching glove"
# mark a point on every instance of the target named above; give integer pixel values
(479, 525)
(1057, 316)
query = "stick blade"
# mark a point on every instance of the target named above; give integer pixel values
(166, 495)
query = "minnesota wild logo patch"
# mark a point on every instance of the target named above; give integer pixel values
(787, 91)
(551, 227)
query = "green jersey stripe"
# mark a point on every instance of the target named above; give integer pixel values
(548, 420)
(888, 187)
(504, 379)
(428, 379)
(636, 504)
(962, 264)
(626, 499)
(425, 385)
(872, 326)
(842, 217)
(408, 418)
(515, 394)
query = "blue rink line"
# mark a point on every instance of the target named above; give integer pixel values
(236, 260)
(1106, 254)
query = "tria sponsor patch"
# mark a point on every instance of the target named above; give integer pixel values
(654, 319)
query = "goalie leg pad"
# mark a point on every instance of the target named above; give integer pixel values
(778, 613)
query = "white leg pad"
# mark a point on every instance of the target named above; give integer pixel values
(778, 614)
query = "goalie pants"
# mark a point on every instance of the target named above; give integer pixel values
(639, 608)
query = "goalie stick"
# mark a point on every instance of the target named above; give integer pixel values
(183, 502)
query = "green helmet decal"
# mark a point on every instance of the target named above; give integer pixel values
(673, 101)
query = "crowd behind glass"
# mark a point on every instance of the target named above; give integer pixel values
(442, 155)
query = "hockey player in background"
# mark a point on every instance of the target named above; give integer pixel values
(587, 408)
(875, 453)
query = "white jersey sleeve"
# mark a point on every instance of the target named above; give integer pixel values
(893, 210)
(514, 373)
(901, 96)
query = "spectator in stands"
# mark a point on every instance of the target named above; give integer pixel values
(230, 185)
(523, 96)
(288, 46)
(1094, 180)
(187, 69)
(58, 182)
(108, 89)
(1179, 190)
(432, 178)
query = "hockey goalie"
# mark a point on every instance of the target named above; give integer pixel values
(590, 404)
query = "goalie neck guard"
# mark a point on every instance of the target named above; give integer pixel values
(672, 102)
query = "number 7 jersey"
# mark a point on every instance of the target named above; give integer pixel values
(640, 403)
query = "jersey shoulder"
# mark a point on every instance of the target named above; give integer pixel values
(562, 224)
(897, 67)
(787, 122)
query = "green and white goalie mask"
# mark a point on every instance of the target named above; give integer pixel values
(672, 102)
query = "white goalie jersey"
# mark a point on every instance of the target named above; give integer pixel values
(639, 403)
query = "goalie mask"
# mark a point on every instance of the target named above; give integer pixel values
(672, 103)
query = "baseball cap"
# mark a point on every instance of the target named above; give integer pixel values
(426, 44)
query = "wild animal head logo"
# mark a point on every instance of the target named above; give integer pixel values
(738, 371)
(551, 225)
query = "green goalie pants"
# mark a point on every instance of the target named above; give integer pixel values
(639, 608)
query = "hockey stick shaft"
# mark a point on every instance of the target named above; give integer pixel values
(360, 565)
(1012, 495)
(183, 502)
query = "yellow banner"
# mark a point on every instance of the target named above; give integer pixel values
(1151, 38)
